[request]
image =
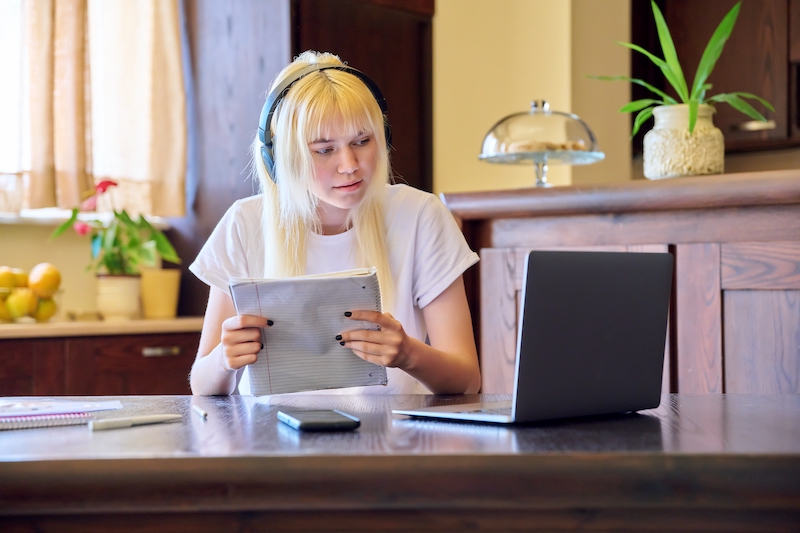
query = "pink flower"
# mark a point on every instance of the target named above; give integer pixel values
(81, 228)
(90, 204)
(103, 185)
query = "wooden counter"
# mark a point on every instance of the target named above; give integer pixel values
(735, 318)
(126, 357)
(697, 463)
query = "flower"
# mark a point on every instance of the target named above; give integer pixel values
(122, 245)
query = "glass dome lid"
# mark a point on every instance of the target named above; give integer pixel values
(541, 136)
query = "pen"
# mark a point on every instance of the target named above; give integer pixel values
(199, 410)
(114, 423)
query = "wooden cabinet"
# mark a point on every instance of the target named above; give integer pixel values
(735, 316)
(98, 365)
(761, 57)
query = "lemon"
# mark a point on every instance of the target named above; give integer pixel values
(21, 277)
(7, 277)
(44, 280)
(21, 302)
(45, 310)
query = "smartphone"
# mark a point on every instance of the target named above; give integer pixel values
(318, 420)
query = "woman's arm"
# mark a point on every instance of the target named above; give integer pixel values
(227, 343)
(448, 366)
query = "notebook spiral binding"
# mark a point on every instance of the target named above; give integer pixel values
(44, 421)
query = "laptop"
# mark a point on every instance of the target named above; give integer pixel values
(590, 340)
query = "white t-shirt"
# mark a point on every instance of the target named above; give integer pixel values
(427, 253)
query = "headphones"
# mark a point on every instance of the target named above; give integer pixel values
(279, 92)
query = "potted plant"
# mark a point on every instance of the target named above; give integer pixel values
(684, 140)
(120, 248)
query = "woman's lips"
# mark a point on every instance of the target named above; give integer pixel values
(349, 187)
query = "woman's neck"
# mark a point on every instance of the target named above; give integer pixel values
(333, 220)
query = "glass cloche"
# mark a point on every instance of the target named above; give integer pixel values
(541, 137)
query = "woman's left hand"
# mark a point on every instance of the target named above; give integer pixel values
(388, 346)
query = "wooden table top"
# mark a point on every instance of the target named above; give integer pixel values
(723, 451)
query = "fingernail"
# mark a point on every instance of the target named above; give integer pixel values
(348, 313)
(338, 337)
(270, 322)
(342, 343)
(262, 345)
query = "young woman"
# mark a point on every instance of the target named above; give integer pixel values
(326, 204)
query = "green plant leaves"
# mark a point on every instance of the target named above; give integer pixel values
(692, 114)
(640, 119)
(674, 78)
(736, 101)
(66, 225)
(714, 49)
(667, 98)
(670, 55)
(636, 105)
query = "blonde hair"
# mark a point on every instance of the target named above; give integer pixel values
(314, 103)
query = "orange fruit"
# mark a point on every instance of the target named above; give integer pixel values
(7, 277)
(44, 280)
(5, 316)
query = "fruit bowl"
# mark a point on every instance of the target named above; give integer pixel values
(29, 296)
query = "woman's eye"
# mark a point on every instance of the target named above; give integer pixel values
(324, 151)
(362, 142)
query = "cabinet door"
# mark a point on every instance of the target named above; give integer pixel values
(32, 367)
(131, 364)
(754, 60)
(391, 42)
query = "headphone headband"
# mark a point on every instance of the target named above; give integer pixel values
(279, 92)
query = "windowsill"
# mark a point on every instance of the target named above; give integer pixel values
(53, 216)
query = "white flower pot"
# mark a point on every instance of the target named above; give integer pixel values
(118, 297)
(671, 151)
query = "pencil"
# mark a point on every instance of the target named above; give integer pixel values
(199, 410)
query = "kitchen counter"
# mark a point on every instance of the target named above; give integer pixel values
(85, 329)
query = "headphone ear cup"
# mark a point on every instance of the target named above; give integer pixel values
(269, 163)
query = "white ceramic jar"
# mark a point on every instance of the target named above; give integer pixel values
(118, 297)
(671, 151)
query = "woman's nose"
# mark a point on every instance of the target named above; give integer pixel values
(347, 162)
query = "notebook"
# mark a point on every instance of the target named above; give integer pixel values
(23, 413)
(590, 339)
(300, 350)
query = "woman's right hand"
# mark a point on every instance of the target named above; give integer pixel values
(241, 339)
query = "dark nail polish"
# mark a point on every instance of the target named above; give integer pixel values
(342, 343)
(270, 322)
(348, 313)
(338, 337)
(262, 346)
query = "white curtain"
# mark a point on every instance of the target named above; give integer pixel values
(97, 93)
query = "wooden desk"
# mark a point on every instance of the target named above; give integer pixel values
(702, 462)
(735, 317)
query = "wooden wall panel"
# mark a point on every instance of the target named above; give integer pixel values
(762, 342)
(236, 50)
(769, 223)
(755, 265)
(498, 320)
(698, 318)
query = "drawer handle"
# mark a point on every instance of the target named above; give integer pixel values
(755, 125)
(161, 351)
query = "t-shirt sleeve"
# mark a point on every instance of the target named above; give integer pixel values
(223, 255)
(442, 252)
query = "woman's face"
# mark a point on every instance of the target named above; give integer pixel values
(344, 164)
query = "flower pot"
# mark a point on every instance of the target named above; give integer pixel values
(160, 289)
(671, 151)
(118, 297)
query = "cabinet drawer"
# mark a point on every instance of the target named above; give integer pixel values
(131, 364)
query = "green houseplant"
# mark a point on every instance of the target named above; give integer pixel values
(695, 95)
(684, 140)
(120, 248)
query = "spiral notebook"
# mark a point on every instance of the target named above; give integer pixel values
(300, 350)
(23, 413)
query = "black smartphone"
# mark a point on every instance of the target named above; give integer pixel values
(318, 420)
